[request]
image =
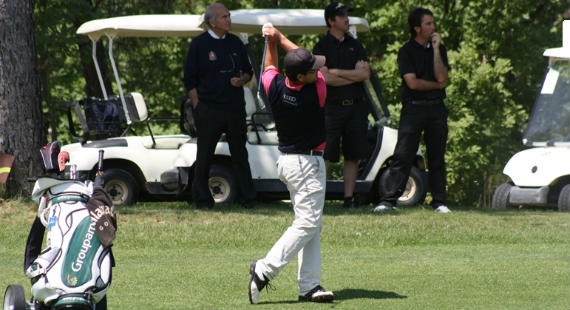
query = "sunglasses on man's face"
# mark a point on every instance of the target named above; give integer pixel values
(312, 71)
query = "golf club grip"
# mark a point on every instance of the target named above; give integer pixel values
(100, 163)
(99, 179)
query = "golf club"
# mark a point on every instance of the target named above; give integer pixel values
(259, 99)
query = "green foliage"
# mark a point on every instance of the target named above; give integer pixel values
(154, 71)
(495, 50)
(483, 119)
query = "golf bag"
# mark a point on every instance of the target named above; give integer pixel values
(74, 268)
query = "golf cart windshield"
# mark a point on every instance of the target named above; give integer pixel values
(550, 119)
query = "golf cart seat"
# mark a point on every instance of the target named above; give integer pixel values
(261, 132)
(165, 142)
(261, 124)
(104, 118)
(250, 106)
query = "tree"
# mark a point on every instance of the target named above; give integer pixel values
(21, 123)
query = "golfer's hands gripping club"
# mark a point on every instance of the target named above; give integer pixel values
(270, 33)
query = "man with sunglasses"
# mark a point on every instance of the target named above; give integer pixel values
(297, 102)
(215, 70)
(345, 110)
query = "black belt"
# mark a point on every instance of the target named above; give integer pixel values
(311, 153)
(425, 102)
(344, 101)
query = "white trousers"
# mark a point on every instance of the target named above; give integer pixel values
(305, 177)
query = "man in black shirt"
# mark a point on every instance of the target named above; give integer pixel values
(345, 110)
(297, 102)
(424, 69)
(215, 70)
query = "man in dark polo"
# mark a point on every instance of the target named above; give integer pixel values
(297, 101)
(345, 110)
(424, 69)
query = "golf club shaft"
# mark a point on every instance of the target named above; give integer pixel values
(262, 104)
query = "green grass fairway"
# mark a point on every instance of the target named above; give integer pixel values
(171, 256)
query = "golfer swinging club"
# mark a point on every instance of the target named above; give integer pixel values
(297, 102)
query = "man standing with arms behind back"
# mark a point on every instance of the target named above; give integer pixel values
(215, 70)
(345, 110)
(424, 70)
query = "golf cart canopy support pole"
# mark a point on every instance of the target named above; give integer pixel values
(99, 76)
(352, 31)
(117, 79)
(245, 39)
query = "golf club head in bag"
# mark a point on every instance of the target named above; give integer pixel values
(50, 153)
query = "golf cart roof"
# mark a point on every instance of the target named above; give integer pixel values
(564, 51)
(288, 21)
(167, 25)
(560, 52)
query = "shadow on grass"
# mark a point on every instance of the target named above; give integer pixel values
(276, 207)
(332, 208)
(349, 293)
(512, 211)
(180, 207)
(355, 293)
(279, 302)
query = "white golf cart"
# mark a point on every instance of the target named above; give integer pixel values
(540, 175)
(161, 166)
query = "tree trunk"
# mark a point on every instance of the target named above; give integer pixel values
(22, 131)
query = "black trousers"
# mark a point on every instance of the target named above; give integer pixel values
(211, 123)
(415, 119)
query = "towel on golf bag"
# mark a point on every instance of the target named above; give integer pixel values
(101, 208)
(74, 259)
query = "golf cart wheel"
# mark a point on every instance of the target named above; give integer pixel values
(121, 186)
(415, 191)
(501, 196)
(564, 199)
(14, 298)
(222, 184)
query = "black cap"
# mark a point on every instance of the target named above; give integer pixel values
(300, 61)
(335, 9)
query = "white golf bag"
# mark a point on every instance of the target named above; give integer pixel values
(73, 271)
(74, 268)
